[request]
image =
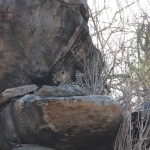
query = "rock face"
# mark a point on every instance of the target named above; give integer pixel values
(38, 38)
(62, 123)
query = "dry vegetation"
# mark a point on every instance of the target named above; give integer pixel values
(121, 31)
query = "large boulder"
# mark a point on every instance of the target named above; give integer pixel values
(38, 38)
(62, 123)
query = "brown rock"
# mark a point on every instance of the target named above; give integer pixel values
(63, 123)
(3, 100)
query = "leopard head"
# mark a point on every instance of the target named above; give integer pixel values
(61, 77)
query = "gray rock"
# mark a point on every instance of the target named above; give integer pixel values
(77, 122)
(62, 91)
(30, 147)
(41, 37)
(19, 91)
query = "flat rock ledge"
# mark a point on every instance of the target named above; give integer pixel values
(62, 123)
(11, 93)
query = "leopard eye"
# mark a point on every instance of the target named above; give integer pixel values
(63, 72)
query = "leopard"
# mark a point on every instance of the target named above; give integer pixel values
(62, 78)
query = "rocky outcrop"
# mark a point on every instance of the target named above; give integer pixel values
(62, 123)
(38, 38)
